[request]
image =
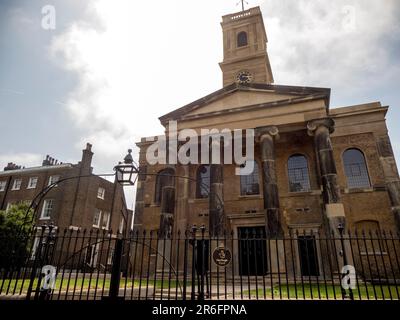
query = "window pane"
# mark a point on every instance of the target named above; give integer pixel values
(299, 180)
(203, 181)
(101, 193)
(242, 39)
(249, 183)
(164, 178)
(355, 169)
(47, 208)
(53, 179)
(96, 219)
(17, 184)
(106, 220)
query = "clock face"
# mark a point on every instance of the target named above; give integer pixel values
(244, 77)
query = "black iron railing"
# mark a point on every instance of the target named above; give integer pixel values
(71, 264)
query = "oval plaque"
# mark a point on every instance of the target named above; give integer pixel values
(221, 256)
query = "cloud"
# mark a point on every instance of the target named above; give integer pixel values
(136, 61)
(341, 44)
(22, 159)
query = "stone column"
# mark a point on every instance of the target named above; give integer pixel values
(266, 136)
(167, 211)
(391, 175)
(217, 219)
(166, 227)
(182, 198)
(334, 210)
(217, 214)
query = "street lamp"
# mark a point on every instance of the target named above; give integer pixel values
(126, 170)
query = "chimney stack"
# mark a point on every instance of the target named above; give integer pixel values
(86, 162)
(11, 166)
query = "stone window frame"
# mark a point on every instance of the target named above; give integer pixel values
(30, 186)
(47, 209)
(97, 214)
(52, 179)
(366, 167)
(199, 188)
(15, 185)
(306, 156)
(108, 215)
(158, 188)
(364, 250)
(3, 185)
(101, 192)
(259, 183)
(242, 42)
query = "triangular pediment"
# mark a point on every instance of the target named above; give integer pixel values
(239, 98)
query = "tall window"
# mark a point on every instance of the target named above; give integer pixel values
(47, 209)
(249, 184)
(242, 39)
(96, 218)
(32, 183)
(164, 178)
(299, 180)
(3, 185)
(17, 184)
(101, 192)
(106, 220)
(355, 169)
(53, 179)
(203, 181)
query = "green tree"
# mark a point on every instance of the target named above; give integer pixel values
(15, 232)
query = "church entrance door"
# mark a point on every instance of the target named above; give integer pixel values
(252, 251)
(308, 256)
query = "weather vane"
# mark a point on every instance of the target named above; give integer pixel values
(242, 1)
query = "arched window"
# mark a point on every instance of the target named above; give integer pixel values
(299, 180)
(355, 169)
(164, 178)
(203, 181)
(242, 39)
(249, 184)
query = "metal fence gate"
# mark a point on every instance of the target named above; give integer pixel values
(73, 264)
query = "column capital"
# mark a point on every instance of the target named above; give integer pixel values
(271, 131)
(313, 125)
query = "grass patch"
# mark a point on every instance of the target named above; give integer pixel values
(84, 284)
(313, 291)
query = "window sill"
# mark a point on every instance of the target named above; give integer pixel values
(303, 193)
(44, 218)
(358, 190)
(15, 189)
(200, 200)
(250, 196)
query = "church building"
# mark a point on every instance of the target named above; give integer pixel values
(315, 167)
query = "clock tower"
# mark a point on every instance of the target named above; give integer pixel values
(245, 48)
